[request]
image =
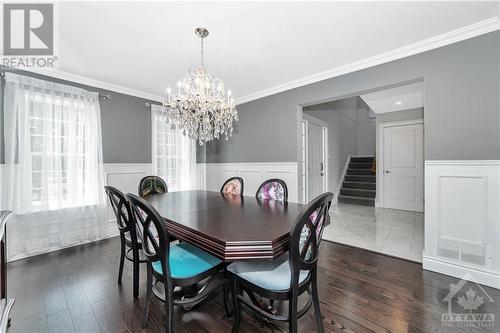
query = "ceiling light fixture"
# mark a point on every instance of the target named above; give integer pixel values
(399, 102)
(201, 107)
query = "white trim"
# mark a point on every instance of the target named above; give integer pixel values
(251, 164)
(461, 215)
(341, 180)
(307, 118)
(470, 31)
(304, 174)
(80, 79)
(253, 175)
(314, 120)
(129, 175)
(463, 162)
(380, 196)
(481, 276)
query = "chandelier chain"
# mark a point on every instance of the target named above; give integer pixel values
(202, 56)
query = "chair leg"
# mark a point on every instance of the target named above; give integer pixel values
(226, 299)
(149, 289)
(122, 259)
(315, 298)
(169, 309)
(136, 273)
(292, 314)
(236, 305)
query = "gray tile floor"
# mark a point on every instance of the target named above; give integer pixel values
(388, 231)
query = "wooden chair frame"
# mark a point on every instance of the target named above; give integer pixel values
(276, 180)
(153, 178)
(156, 247)
(300, 259)
(230, 179)
(126, 226)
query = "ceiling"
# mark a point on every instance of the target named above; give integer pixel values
(257, 48)
(405, 97)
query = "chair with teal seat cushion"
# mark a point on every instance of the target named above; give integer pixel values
(196, 272)
(270, 275)
(187, 260)
(288, 276)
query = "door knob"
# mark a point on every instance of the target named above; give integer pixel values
(387, 171)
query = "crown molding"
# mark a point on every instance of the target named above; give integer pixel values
(470, 31)
(80, 79)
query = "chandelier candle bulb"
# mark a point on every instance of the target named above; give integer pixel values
(201, 108)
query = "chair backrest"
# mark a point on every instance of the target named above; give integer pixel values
(274, 189)
(121, 208)
(305, 237)
(152, 185)
(152, 231)
(233, 185)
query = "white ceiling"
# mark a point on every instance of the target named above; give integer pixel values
(405, 97)
(257, 48)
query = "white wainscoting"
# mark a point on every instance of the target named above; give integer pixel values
(462, 219)
(253, 175)
(125, 177)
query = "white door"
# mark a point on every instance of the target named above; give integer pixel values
(316, 163)
(404, 167)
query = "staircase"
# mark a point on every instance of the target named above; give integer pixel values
(359, 182)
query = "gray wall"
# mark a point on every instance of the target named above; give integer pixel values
(125, 121)
(366, 130)
(461, 105)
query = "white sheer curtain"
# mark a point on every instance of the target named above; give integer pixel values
(53, 175)
(174, 154)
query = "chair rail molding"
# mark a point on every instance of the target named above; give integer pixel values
(253, 175)
(462, 219)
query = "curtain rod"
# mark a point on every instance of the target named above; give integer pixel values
(105, 97)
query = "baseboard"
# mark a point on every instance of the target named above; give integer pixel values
(456, 270)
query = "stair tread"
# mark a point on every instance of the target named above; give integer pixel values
(353, 197)
(359, 189)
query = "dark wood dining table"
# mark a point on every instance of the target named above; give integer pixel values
(232, 228)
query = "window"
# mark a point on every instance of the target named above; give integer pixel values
(53, 174)
(174, 154)
(58, 138)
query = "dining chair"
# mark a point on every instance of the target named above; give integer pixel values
(233, 185)
(288, 276)
(196, 272)
(274, 189)
(128, 235)
(152, 185)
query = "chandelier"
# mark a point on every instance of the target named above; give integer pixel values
(201, 107)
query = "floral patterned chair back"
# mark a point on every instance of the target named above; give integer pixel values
(233, 186)
(152, 185)
(273, 189)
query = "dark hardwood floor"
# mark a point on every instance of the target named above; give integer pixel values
(75, 290)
